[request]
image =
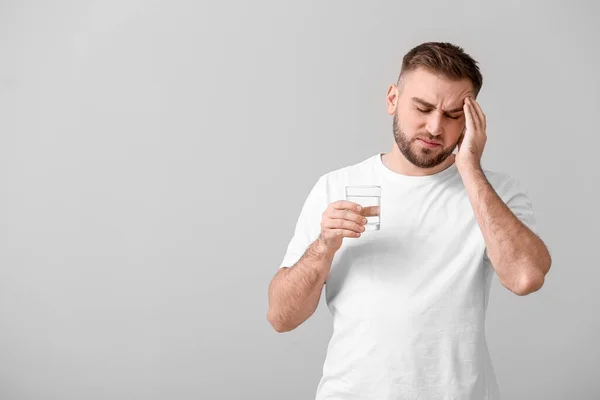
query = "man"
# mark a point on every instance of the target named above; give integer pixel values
(409, 300)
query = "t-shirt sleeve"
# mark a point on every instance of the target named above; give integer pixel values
(518, 201)
(308, 226)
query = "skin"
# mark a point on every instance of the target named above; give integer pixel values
(430, 107)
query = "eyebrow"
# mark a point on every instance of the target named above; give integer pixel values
(426, 104)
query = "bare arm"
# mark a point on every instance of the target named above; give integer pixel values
(294, 292)
(519, 257)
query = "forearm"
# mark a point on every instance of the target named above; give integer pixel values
(519, 257)
(294, 292)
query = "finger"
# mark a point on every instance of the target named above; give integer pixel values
(475, 117)
(478, 111)
(345, 205)
(336, 223)
(370, 211)
(477, 114)
(469, 117)
(340, 232)
(348, 215)
(335, 233)
(328, 234)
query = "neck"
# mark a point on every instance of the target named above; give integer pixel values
(396, 162)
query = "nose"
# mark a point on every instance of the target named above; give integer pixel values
(434, 123)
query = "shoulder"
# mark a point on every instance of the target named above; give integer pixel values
(330, 185)
(352, 172)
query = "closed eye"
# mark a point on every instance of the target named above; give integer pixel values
(423, 111)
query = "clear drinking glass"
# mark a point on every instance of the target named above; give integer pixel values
(369, 197)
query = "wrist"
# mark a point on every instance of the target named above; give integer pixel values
(474, 179)
(469, 167)
(321, 250)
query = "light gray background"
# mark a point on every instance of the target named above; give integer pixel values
(155, 156)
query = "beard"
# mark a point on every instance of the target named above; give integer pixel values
(421, 157)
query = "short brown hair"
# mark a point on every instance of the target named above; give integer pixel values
(446, 59)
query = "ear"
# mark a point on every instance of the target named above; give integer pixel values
(391, 99)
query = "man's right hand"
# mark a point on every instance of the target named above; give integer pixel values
(294, 292)
(341, 219)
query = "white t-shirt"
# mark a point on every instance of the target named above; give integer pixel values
(409, 300)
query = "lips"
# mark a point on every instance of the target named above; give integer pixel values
(428, 143)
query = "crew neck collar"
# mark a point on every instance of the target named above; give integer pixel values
(394, 176)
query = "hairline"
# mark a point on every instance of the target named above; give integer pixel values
(404, 72)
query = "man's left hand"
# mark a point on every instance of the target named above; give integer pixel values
(472, 143)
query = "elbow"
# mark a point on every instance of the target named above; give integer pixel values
(276, 322)
(532, 276)
(529, 283)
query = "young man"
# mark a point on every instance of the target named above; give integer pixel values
(409, 300)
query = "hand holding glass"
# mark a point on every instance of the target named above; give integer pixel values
(369, 197)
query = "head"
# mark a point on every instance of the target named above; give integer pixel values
(427, 101)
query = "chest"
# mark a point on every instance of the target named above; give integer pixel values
(428, 242)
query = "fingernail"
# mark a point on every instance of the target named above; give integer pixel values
(364, 220)
(358, 207)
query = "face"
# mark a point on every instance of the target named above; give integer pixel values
(428, 116)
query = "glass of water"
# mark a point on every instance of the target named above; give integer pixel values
(369, 197)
